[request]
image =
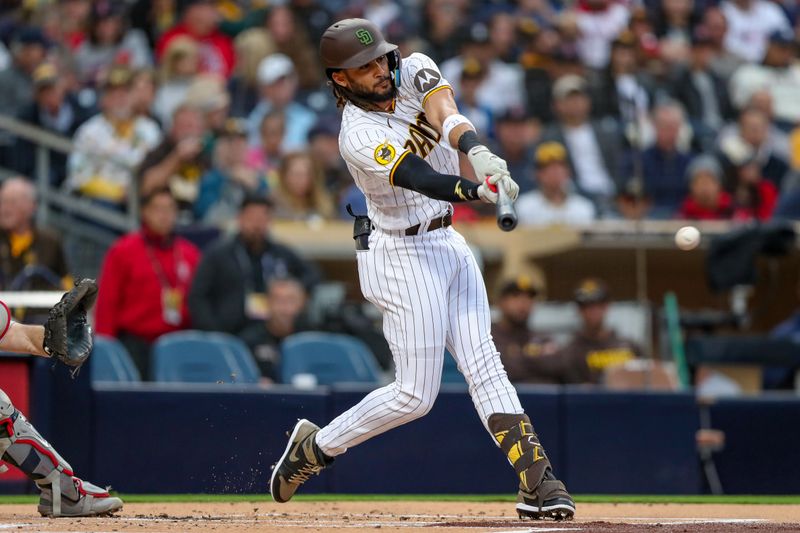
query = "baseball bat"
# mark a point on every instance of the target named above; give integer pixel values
(506, 214)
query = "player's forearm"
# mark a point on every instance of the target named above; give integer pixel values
(413, 173)
(22, 338)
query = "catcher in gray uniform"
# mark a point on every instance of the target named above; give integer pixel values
(67, 337)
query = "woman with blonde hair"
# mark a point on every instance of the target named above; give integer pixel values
(251, 46)
(179, 66)
(300, 191)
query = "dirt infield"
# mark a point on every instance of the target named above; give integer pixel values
(410, 516)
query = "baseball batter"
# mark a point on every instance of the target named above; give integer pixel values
(400, 137)
(66, 337)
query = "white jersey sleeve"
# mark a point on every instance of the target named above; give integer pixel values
(420, 77)
(372, 151)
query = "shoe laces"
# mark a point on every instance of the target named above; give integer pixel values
(302, 475)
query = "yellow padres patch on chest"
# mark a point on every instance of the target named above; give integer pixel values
(384, 153)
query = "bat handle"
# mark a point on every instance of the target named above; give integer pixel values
(506, 214)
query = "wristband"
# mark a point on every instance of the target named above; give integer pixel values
(452, 122)
(468, 141)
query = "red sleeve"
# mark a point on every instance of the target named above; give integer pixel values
(225, 45)
(162, 43)
(5, 319)
(192, 255)
(112, 277)
(769, 199)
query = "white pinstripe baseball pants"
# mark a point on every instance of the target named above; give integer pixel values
(432, 296)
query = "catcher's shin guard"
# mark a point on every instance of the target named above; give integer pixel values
(541, 495)
(62, 493)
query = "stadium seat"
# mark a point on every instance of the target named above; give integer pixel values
(111, 361)
(330, 357)
(202, 357)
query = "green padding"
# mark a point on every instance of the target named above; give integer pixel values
(676, 338)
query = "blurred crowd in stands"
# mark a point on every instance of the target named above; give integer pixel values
(217, 113)
(678, 108)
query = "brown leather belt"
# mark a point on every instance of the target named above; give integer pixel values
(436, 223)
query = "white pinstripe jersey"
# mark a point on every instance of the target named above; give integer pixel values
(372, 143)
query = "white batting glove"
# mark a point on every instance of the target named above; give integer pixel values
(485, 163)
(487, 191)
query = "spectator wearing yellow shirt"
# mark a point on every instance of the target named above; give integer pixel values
(109, 147)
(594, 348)
(31, 258)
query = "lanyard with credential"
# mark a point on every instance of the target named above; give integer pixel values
(256, 306)
(171, 296)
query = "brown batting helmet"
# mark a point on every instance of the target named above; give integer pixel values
(351, 43)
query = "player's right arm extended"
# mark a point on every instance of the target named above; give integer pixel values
(412, 172)
(24, 338)
(442, 111)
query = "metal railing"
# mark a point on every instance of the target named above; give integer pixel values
(70, 214)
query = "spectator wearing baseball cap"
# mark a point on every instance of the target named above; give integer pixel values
(28, 49)
(516, 134)
(594, 347)
(481, 116)
(542, 60)
(554, 202)
(208, 93)
(179, 161)
(702, 92)
(200, 21)
(109, 41)
(179, 66)
(778, 73)
(278, 86)
(623, 84)
(527, 357)
(750, 24)
(53, 109)
(229, 180)
(502, 87)
(593, 147)
(109, 147)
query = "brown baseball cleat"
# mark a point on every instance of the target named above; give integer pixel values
(301, 459)
(540, 494)
(549, 499)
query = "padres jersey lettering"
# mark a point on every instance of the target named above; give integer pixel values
(428, 286)
(372, 143)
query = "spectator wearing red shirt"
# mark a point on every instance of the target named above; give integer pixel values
(706, 200)
(144, 281)
(754, 198)
(200, 21)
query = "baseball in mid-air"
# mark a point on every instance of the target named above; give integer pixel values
(687, 238)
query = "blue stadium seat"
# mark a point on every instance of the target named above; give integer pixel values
(202, 357)
(331, 357)
(111, 362)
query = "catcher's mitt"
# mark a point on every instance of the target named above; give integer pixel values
(67, 336)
